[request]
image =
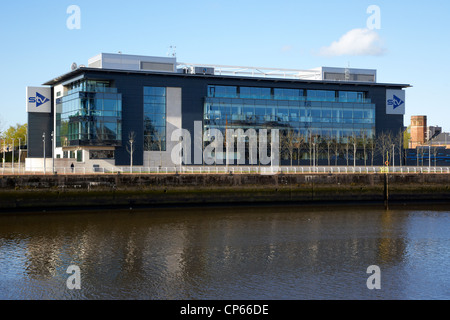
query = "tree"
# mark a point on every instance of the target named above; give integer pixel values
(435, 151)
(354, 143)
(131, 147)
(372, 146)
(364, 141)
(336, 148)
(384, 143)
(300, 141)
(419, 152)
(288, 143)
(406, 137)
(399, 142)
(329, 143)
(160, 140)
(345, 147)
(19, 131)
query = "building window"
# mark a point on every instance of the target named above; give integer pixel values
(321, 95)
(101, 154)
(155, 119)
(89, 115)
(327, 114)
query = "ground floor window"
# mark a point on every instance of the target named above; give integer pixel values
(101, 154)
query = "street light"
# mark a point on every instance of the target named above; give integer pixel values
(19, 153)
(314, 154)
(429, 158)
(393, 156)
(53, 157)
(12, 158)
(4, 147)
(43, 142)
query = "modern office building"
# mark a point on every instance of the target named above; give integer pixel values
(122, 107)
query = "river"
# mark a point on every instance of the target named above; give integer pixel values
(260, 253)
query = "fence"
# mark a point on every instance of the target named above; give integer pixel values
(224, 170)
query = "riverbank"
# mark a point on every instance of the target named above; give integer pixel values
(51, 192)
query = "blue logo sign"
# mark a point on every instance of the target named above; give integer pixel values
(39, 100)
(396, 102)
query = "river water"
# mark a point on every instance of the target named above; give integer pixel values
(265, 253)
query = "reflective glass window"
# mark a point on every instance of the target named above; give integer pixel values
(155, 118)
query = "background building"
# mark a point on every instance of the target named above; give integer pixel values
(419, 131)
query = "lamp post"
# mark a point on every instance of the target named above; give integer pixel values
(429, 158)
(19, 153)
(43, 143)
(12, 157)
(314, 154)
(53, 157)
(4, 147)
(393, 156)
(131, 154)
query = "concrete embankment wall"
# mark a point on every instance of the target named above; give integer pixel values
(113, 191)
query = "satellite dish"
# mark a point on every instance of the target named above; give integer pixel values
(74, 66)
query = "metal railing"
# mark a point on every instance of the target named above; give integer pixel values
(225, 170)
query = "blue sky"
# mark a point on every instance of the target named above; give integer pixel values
(411, 46)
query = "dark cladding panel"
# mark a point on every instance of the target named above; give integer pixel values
(384, 122)
(38, 123)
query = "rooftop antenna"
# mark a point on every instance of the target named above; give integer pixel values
(347, 72)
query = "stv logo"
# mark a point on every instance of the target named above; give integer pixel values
(396, 102)
(39, 100)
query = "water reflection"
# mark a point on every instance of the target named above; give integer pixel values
(247, 253)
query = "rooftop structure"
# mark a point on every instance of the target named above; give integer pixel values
(170, 64)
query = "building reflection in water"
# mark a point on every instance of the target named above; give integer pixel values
(210, 253)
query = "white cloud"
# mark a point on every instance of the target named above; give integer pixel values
(286, 48)
(356, 42)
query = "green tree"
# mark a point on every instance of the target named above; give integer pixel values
(406, 137)
(19, 131)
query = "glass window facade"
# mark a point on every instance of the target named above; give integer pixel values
(320, 113)
(101, 154)
(155, 119)
(90, 114)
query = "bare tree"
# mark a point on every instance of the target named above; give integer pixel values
(131, 147)
(353, 141)
(418, 151)
(336, 148)
(299, 141)
(364, 141)
(329, 143)
(372, 146)
(322, 148)
(159, 140)
(398, 143)
(288, 143)
(384, 143)
(345, 147)
(435, 153)
(310, 144)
